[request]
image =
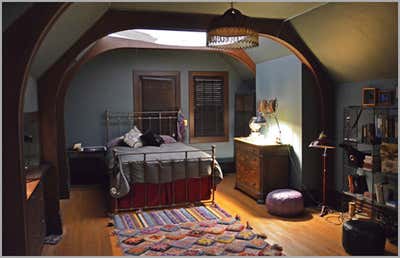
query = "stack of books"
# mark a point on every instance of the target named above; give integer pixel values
(386, 194)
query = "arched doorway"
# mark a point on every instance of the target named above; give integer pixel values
(50, 89)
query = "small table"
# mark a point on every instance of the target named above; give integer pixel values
(87, 167)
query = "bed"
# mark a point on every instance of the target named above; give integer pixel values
(169, 175)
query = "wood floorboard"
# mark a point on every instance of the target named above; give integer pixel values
(86, 232)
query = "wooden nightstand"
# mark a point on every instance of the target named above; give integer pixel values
(260, 168)
(87, 167)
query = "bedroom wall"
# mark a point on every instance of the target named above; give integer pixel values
(282, 78)
(347, 94)
(106, 82)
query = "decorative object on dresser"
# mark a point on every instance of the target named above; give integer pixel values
(260, 168)
(323, 143)
(87, 166)
(255, 124)
(268, 109)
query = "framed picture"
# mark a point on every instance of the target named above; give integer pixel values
(369, 96)
(385, 97)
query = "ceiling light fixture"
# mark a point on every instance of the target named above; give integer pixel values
(232, 30)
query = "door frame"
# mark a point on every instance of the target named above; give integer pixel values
(137, 90)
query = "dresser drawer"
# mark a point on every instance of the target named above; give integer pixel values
(248, 150)
(247, 168)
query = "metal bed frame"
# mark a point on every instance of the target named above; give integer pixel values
(118, 118)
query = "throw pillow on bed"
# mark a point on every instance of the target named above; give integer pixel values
(168, 139)
(132, 138)
(151, 139)
(118, 141)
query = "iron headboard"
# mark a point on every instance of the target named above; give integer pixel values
(161, 122)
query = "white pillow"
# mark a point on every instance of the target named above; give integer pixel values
(132, 138)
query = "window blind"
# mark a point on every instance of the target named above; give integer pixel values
(209, 106)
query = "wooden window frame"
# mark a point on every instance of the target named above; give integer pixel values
(137, 89)
(205, 139)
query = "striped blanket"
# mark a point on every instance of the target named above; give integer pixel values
(135, 220)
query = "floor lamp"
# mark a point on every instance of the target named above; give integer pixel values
(323, 143)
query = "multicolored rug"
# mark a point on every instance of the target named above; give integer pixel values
(201, 230)
(172, 216)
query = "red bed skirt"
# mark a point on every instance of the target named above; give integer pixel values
(162, 194)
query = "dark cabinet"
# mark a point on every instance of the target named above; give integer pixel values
(87, 167)
(36, 224)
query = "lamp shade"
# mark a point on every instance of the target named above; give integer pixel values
(260, 119)
(322, 142)
(232, 30)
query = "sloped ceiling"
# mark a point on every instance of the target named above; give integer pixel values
(14, 10)
(77, 19)
(355, 41)
(259, 9)
(267, 50)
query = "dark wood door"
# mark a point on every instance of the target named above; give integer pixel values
(156, 91)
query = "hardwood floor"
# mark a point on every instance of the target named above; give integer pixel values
(86, 232)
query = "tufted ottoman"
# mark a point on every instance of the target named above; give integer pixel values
(285, 202)
(363, 238)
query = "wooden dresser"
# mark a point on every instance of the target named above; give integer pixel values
(260, 168)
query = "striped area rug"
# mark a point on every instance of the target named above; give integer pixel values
(135, 220)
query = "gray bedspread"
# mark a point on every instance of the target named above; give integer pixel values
(167, 164)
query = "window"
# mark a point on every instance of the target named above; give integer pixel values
(208, 104)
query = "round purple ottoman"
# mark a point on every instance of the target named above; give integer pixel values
(285, 202)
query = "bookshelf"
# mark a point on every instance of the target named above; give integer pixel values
(370, 174)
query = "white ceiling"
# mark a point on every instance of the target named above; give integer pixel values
(267, 50)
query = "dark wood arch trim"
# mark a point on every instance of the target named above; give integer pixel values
(24, 35)
(52, 88)
(104, 45)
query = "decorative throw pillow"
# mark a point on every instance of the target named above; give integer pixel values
(132, 137)
(168, 139)
(151, 139)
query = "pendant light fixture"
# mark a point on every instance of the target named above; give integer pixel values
(232, 30)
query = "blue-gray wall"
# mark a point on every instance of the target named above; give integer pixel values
(294, 86)
(349, 94)
(106, 82)
(282, 78)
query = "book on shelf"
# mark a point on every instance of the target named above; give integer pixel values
(379, 193)
(385, 127)
(392, 204)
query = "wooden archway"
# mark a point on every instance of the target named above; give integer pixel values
(104, 45)
(21, 42)
(27, 36)
(51, 84)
